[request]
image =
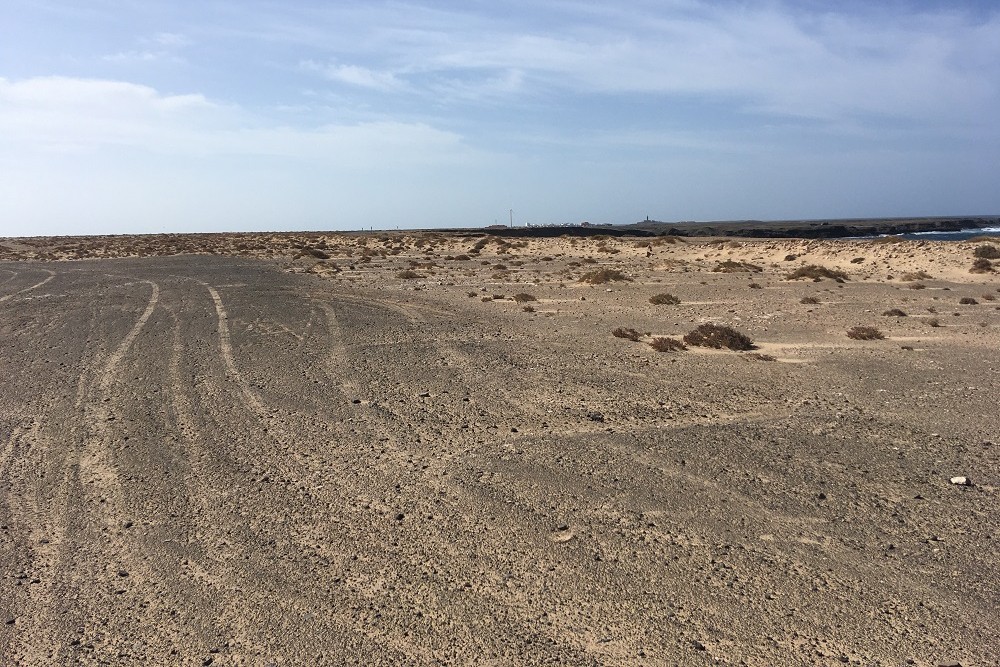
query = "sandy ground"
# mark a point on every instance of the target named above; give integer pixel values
(288, 450)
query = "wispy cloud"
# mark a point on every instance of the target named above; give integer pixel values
(355, 75)
(768, 58)
(66, 114)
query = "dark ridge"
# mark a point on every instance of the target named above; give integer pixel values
(814, 229)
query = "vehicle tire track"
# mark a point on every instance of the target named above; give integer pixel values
(52, 274)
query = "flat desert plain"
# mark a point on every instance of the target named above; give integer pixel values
(431, 449)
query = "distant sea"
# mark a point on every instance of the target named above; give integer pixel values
(960, 235)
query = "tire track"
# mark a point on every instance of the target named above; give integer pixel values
(52, 274)
(87, 509)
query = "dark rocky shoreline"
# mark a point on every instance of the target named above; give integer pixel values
(807, 229)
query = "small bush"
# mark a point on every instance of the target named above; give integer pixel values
(626, 333)
(523, 297)
(664, 299)
(981, 265)
(757, 356)
(968, 301)
(729, 266)
(934, 322)
(865, 333)
(601, 276)
(919, 275)
(718, 336)
(408, 275)
(528, 309)
(918, 286)
(987, 252)
(755, 286)
(894, 312)
(665, 344)
(472, 295)
(817, 273)
(809, 300)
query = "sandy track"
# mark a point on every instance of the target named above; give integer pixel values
(205, 459)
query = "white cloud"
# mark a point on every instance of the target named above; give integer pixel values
(170, 39)
(67, 114)
(356, 75)
(766, 57)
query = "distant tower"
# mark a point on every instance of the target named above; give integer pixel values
(511, 217)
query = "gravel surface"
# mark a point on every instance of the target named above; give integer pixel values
(213, 460)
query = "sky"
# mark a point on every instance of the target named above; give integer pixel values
(136, 116)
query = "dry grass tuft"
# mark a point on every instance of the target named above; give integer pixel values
(981, 265)
(894, 312)
(810, 300)
(968, 301)
(408, 274)
(601, 276)
(919, 275)
(665, 344)
(664, 299)
(817, 273)
(626, 333)
(987, 252)
(865, 333)
(718, 337)
(523, 297)
(730, 266)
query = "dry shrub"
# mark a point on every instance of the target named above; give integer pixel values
(865, 333)
(981, 265)
(601, 276)
(968, 301)
(919, 275)
(934, 322)
(810, 300)
(894, 312)
(730, 266)
(918, 286)
(626, 333)
(664, 299)
(755, 286)
(528, 309)
(666, 344)
(408, 275)
(817, 273)
(759, 357)
(523, 297)
(987, 252)
(718, 336)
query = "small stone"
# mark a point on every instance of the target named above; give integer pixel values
(122, 573)
(698, 646)
(821, 496)
(425, 394)
(961, 481)
(400, 516)
(562, 526)
(356, 401)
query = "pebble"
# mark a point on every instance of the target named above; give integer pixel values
(961, 481)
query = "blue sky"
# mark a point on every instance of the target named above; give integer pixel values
(142, 116)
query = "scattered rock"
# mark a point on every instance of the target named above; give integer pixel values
(961, 481)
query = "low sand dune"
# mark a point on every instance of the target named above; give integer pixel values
(424, 448)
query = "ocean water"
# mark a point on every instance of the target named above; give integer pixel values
(960, 235)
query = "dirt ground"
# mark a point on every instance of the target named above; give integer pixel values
(420, 449)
